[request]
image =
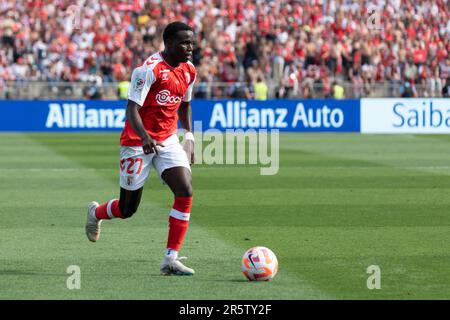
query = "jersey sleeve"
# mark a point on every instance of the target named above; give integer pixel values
(188, 95)
(141, 82)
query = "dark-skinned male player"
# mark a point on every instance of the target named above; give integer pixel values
(159, 96)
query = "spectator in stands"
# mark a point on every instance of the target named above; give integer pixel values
(260, 89)
(408, 89)
(444, 67)
(446, 89)
(2, 88)
(243, 91)
(357, 84)
(338, 90)
(93, 91)
(236, 40)
(122, 88)
(21, 70)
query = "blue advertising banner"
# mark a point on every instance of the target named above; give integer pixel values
(61, 115)
(285, 115)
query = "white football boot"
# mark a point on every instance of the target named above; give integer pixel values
(92, 223)
(173, 266)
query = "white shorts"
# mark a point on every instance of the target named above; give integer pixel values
(135, 165)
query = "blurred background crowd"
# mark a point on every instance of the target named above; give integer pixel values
(245, 48)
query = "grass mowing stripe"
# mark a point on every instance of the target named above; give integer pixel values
(348, 173)
(121, 265)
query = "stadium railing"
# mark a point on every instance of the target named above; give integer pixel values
(216, 90)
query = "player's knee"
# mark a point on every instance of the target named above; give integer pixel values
(127, 211)
(184, 191)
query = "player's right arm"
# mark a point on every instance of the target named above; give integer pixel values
(134, 118)
(141, 81)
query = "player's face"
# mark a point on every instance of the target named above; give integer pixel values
(182, 46)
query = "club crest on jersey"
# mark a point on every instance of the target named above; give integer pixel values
(188, 77)
(129, 180)
(139, 84)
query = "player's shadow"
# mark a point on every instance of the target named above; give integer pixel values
(158, 275)
(231, 280)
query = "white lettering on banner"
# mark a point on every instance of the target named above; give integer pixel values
(281, 115)
(405, 115)
(236, 115)
(75, 115)
(323, 117)
(54, 116)
(218, 116)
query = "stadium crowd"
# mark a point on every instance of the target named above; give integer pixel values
(300, 48)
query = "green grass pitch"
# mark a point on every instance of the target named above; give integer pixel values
(339, 203)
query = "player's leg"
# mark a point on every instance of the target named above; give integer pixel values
(134, 170)
(121, 208)
(129, 201)
(179, 181)
(173, 167)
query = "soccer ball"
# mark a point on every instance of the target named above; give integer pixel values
(259, 263)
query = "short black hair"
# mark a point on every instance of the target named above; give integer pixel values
(172, 28)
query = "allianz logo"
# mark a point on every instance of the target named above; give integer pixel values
(235, 114)
(76, 115)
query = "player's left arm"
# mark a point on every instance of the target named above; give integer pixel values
(184, 114)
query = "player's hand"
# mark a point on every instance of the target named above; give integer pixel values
(189, 149)
(150, 145)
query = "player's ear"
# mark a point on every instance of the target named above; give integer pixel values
(168, 43)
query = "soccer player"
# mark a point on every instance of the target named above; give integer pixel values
(159, 94)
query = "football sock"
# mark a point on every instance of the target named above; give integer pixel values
(108, 210)
(171, 254)
(178, 223)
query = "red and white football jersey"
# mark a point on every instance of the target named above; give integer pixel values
(159, 89)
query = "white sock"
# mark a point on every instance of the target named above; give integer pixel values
(171, 254)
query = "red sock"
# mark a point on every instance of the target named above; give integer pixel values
(178, 222)
(108, 210)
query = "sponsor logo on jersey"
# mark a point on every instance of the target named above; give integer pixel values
(164, 97)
